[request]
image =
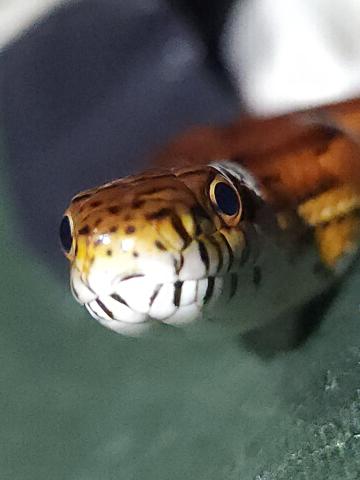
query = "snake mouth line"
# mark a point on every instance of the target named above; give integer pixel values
(136, 304)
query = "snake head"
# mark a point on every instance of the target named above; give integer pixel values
(157, 246)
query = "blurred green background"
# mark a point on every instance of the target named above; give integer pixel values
(81, 403)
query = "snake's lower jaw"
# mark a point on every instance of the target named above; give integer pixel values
(122, 319)
(138, 303)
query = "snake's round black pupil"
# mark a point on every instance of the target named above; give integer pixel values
(226, 199)
(65, 234)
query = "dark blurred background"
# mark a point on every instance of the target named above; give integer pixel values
(89, 92)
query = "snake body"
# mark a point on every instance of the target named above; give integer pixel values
(202, 246)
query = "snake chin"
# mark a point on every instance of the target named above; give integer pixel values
(138, 304)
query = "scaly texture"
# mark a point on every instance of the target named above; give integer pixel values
(158, 246)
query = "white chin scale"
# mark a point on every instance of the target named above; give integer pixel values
(137, 304)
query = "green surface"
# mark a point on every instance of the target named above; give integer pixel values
(81, 403)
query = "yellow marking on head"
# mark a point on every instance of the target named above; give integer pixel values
(189, 223)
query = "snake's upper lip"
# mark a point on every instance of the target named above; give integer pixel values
(82, 292)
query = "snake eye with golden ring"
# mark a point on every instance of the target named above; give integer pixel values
(226, 200)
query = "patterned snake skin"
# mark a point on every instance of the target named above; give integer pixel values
(232, 243)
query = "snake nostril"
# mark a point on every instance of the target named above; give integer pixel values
(66, 234)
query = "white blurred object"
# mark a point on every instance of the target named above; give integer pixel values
(17, 15)
(289, 54)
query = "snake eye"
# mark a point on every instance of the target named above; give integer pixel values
(66, 237)
(226, 200)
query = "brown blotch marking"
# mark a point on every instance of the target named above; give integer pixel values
(113, 229)
(159, 214)
(130, 229)
(330, 134)
(321, 149)
(135, 254)
(160, 245)
(97, 222)
(109, 252)
(85, 230)
(95, 204)
(114, 209)
(138, 204)
(271, 180)
(257, 276)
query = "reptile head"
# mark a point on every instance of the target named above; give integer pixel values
(155, 247)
